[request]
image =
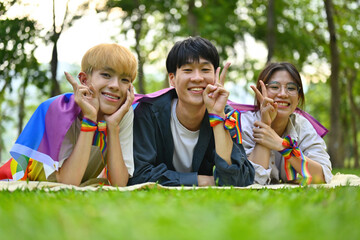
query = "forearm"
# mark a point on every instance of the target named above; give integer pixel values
(239, 173)
(73, 169)
(260, 155)
(315, 169)
(223, 143)
(117, 170)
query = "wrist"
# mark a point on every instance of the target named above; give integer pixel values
(220, 114)
(90, 117)
(266, 121)
(279, 145)
(87, 125)
(113, 129)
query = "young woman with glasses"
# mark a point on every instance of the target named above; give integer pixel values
(282, 145)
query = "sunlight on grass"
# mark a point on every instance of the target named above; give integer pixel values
(301, 213)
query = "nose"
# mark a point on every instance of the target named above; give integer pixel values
(114, 83)
(283, 91)
(197, 76)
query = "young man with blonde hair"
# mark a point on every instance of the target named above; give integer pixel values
(71, 138)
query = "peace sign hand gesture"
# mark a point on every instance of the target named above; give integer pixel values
(268, 107)
(86, 97)
(216, 96)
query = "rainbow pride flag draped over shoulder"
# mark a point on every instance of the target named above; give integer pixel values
(42, 136)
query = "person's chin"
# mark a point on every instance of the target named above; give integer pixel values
(108, 110)
(196, 101)
(284, 112)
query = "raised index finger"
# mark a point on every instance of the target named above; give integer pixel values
(71, 80)
(263, 89)
(258, 94)
(223, 73)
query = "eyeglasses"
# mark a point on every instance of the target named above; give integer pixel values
(275, 88)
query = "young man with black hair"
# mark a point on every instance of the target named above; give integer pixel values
(174, 143)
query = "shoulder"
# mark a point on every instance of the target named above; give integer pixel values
(158, 97)
(128, 117)
(250, 116)
(155, 102)
(300, 122)
(304, 129)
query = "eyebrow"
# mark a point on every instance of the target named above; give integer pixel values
(280, 83)
(113, 71)
(201, 63)
(109, 69)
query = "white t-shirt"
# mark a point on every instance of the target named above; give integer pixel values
(184, 142)
(95, 164)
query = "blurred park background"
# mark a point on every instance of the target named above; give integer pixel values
(40, 39)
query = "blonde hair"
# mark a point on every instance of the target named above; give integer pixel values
(112, 56)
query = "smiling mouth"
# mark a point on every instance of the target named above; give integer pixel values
(196, 89)
(111, 96)
(283, 104)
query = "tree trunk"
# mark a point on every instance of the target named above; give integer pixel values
(55, 87)
(270, 36)
(355, 113)
(137, 28)
(336, 147)
(192, 20)
(21, 113)
(166, 81)
(2, 130)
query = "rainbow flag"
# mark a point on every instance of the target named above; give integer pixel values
(42, 136)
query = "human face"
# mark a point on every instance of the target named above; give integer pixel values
(191, 80)
(286, 102)
(111, 87)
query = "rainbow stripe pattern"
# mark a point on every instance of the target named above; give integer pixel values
(291, 149)
(42, 137)
(100, 136)
(88, 125)
(231, 121)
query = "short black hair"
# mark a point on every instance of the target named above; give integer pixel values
(191, 50)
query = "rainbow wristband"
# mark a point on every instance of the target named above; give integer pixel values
(88, 125)
(291, 149)
(231, 121)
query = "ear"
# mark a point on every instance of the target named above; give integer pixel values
(83, 77)
(172, 79)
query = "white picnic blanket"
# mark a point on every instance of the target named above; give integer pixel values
(338, 180)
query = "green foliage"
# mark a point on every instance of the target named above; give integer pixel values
(302, 213)
(299, 28)
(16, 53)
(318, 102)
(18, 66)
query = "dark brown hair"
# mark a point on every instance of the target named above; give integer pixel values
(271, 68)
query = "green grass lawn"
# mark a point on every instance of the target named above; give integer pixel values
(301, 213)
(347, 171)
